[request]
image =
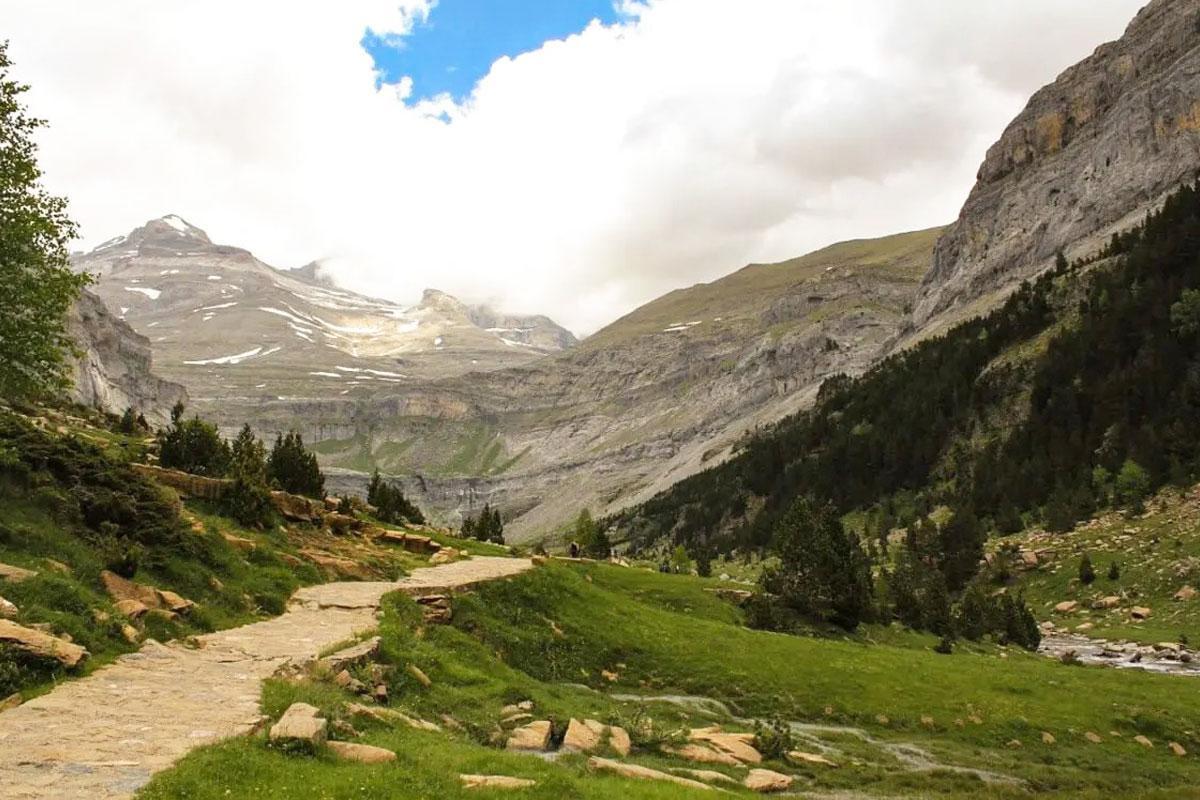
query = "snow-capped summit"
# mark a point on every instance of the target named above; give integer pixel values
(233, 329)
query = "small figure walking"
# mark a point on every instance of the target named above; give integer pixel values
(574, 550)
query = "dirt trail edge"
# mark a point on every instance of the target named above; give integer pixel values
(105, 735)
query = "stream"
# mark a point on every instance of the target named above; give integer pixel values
(1120, 655)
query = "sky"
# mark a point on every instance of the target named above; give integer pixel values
(569, 157)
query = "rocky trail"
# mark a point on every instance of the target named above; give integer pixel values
(105, 735)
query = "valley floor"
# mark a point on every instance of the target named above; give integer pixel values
(661, 655)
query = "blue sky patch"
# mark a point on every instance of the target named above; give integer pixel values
(457, 45)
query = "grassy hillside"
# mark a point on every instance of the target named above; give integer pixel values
(744, 295)
(71, 507)
(603, 642)
(1156, 554)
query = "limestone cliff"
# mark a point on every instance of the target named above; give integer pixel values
(1090, 154)
(113, 371)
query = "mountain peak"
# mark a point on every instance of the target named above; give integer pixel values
(168, 232)
(435, 299)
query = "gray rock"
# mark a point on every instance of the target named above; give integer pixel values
(1089, 155)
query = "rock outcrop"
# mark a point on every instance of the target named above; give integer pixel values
(1090, 155)
(114, 370)
(40, 644)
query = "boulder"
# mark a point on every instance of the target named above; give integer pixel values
(766, 781)
(1105, 603)
(734, 744)
(582, 738)
(1094, 738)
(355, 656)
(361, 753)
(619, 741)
(810, 758)
(134, 609)
(332, 504)
(7, 609)
(340, 524)
(1185, 594)
(1143, 741)
(130, 634)
(295, 508)
(1048, 738)
(642, 773)
(1177, 749)
(175, 603)
(1067, 607)
(1139, 612)
(1027, 559)
(15, 574)
(119, 589)
(534, 737)
(495, 782)
(41, 645)
(301, 724)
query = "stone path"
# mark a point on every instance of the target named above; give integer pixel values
(105, 735)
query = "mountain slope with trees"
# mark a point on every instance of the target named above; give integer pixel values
(1075, 395)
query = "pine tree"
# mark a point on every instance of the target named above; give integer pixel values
(193, 445)
(293, 469)
(38, 283)
(1087, 574)
(961, 548)
(391, 506)
(823, 572)
(1114, 571)
(248, 499)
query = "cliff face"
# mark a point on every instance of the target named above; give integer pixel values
(1089, 155)
(114, 371)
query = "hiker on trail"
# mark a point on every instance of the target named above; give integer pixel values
(574, 550)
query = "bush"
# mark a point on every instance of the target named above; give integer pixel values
(774, 739)
(1087, 573)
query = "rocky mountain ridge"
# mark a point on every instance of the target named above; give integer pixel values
(1089, 155)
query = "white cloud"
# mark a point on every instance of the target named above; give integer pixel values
(579, 180)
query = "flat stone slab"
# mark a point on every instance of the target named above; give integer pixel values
(361, 753)
(642, 773)
(495, 782)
